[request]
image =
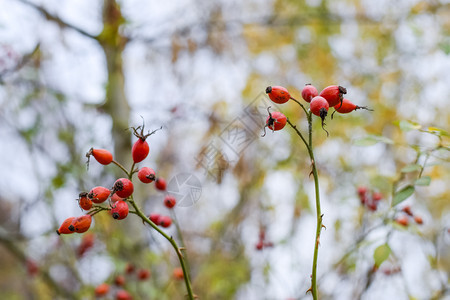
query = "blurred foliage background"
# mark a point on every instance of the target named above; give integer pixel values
(77, 74)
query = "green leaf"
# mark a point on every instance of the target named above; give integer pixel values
(411, 168)
(409, 125)
(381, 254)
(372, 140)
(402, 195)
(423, 181)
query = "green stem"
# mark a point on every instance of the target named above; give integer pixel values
(309, 147)
(172, 242)
(318, 227)
(180, 235)
(132, 171)
(122, 167)
(298, 133)
(301, 105)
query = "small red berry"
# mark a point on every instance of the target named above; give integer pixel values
(276, 121)
(347, 106)
(143, 274)
(123, 187)
(170, 201)
(418, 220)
(309, 92)
(278, 94)
(84, 202)
(377, 196)
(372, 205)
(407, 210)
(119, 210)
(101, 155)
(146, 175)
(165, 221)
(333, 94)
(82, 224)
(362, 190)
(102, 290)
(259, 245)
(32, 267)
(140, 150)
(178, 274)
(123, 295)
(129, 268)
(87, 242)
(119, 280)
(65, 226)
(402, 220)
(155, 218)
(99, 194)
(160, 184)
(319, 106)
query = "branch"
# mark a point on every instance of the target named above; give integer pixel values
(57, 20)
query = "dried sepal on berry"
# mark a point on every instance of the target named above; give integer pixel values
(334, 94)
(119, 210)
(275, 121)
(123, 187)
(99, 194)
(84, 202)
(66, 227)
(146, 175)
(141, 148)
(319, 107)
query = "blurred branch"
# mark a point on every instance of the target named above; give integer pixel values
(10, 245)
(57, 20)
(18, 66)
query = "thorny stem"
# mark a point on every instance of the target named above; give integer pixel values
(180, 235)
(319, 215)
(172, 242)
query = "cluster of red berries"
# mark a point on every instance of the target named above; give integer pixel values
(121, 190)
(406, 214)
(262, 242)
(117, 288)
(331, 96)
(369, 199)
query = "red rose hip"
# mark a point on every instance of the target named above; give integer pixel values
(103, 156)
(119, 210)
(309, 92)
(160, 184)
(333, 94)
(278, 94)
(170, 201)
(276, 121)
(123, 187)
(146, 175)
(64, 228)
(99, 194)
